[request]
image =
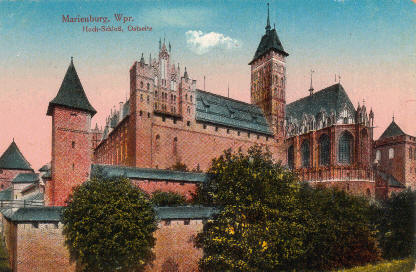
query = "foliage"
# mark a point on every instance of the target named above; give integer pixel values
(109, 226)
(260, 227)
(406, 265)
(161, 199)
(395, 219)
(179, 166)
(340, 233)
(269, 222)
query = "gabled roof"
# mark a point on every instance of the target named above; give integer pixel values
(12, 158)
(71, 93)
(220, 110)
(269, 41)
(333, 98)
(392, 130)
(111, 171)
(26, 178)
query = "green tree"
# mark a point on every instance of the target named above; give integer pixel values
(340, 233)
(161, 199)
(109, 225)
(260, 227)
(395, 219)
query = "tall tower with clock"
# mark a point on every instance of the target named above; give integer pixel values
(268, 79)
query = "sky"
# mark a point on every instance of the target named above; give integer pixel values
(371, 44)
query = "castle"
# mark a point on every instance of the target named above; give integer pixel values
(165, 120)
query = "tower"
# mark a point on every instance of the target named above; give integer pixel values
(268, 79)
(71, 138)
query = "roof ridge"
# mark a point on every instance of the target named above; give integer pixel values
(227, 98)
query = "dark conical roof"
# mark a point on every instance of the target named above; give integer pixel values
(269, 41)
(392, 130)
(12, 158)
(71, 94)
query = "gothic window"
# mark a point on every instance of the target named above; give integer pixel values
(141, 97)
(148, 99)
(391, 153)
(378, 155)
(157, 143)
(190, 98)
(324, 149)
(148, 86)
(188, 110)
(410, 153)
(345, 148)
(305, 150)
(186, 96)
(175, 146)
(141, 84)
(290, 157)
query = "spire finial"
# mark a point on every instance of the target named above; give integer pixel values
(268, 18)
(13, 139)
(72, 60)
(228, 89)
(160, 43)
(311, 87)
(393, 116)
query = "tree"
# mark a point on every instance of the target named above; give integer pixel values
(161, 199)
(260, 227)
(395, 219)
(270, 222)
(340, 233)
(109, 226)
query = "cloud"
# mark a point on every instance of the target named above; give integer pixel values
(201, 43)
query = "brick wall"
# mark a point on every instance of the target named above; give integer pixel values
(71, 153)
(41, 248)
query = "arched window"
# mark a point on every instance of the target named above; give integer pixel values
(290, 157)
(378, 155)
(368, 192)
(345, 148)
(157, 143)
(324, 149)
(175, 146)
(141, 84)
(148, 86)
(410, 153)
(391, 153)
(305, 150)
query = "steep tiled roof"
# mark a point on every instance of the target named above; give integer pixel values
(332, 98)
(44, 168)
(392, 130)
(26, 178)
(71, 94)
(185, 212)
(36, 196)
(110, 171)
(228, 112)
(12, 158)
(269, 41)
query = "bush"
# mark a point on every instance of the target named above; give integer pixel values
(395, 220)
(161, 199)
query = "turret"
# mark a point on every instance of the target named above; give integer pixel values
(71, 138)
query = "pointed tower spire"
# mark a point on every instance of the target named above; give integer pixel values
(71, 94)
(170, 48)
(185, 75)
(311, 87)
(268, 18)
(160, 43)
(142, 59)
(150, 59)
